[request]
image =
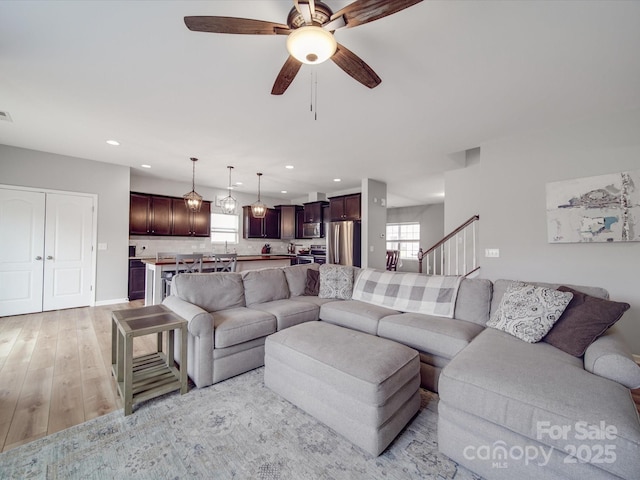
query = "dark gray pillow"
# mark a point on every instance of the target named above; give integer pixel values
(583, 321)
(312, 287)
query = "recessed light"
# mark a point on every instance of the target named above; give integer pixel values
(288, 167)
(283, 191)
(145, 166)
(337, 179)
(115, 143)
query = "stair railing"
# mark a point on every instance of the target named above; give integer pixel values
(455, 254)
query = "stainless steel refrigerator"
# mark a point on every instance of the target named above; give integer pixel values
(343, 243)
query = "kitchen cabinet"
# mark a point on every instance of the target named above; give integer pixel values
(313, 212)
(345, 207)
(267, 227)
(190, 224)
(300, 223)
(139, 214)
(167, 216)
(288, 221)
(136, 279)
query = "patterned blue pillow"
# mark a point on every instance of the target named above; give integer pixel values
(529, 312)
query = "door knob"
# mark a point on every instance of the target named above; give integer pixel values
(38, 257)
(49, 257)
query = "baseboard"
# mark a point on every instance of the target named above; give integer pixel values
(113, 301)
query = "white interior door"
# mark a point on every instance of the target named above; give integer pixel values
(67, 251)
(21, 251)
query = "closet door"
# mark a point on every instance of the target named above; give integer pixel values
(21, 251)
(67, 251)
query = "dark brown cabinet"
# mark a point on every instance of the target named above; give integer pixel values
(267, 227)
(288, 221)
(190, 224)
(313, 212)
(136, 279)
(160, 215)
(300, 223)
(346, 207)
(139, 214)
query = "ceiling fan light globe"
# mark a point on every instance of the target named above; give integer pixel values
(311, 44)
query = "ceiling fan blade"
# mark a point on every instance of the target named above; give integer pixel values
(304, 9)
(354, 66)
(235, 25)
(285, 77)
(365, 11)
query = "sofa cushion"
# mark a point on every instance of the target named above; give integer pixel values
(444, 337)
(265, 285)
(355, 314)
(528, 388)
(473, 303)
(584, 320)
(288, 312)
(314, 300)
(237, 325)
(297, 275)
(528, 312)
(610, 357)
(336, 281)
(408, 292)
(210, 291)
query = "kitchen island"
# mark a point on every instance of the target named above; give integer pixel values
(155, 269)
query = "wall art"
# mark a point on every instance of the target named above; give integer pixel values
(605, 208)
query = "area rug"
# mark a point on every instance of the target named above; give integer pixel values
(237, 429)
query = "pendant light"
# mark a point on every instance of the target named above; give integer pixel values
(193, 200)
(258, 209)
(228, 203)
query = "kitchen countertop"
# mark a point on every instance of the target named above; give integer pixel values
(241, 258)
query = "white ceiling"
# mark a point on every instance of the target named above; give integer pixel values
(455, 74)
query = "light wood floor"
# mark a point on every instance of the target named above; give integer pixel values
(55, 371)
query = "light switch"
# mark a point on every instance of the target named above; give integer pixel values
(492, 252)
(102, 246)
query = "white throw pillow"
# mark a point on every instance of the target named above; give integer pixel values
(529, 312)
(336, 281)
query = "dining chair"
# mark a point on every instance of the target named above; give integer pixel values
(392, 259)
(166, 276)
(225, 262)
(185, 263)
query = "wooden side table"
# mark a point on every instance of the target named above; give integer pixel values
(148, 376)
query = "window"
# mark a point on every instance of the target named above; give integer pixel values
(404, 237)
(224, 228)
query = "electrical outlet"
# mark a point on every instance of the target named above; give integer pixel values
(492, 252)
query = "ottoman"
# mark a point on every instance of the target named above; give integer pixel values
(364, 387)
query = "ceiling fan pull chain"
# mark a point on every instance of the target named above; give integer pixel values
(311, 91)
(316, 99)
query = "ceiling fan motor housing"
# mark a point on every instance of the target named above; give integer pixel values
(321, 16)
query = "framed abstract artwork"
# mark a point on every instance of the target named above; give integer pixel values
(605, 208)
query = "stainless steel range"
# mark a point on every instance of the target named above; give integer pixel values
(317, 254)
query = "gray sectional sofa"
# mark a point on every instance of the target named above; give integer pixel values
(502, 400)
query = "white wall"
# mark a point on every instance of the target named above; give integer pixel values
(374, 224)
(507, 189)
(31, 168)
(431, 220)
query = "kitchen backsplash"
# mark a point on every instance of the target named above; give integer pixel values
(148, 247)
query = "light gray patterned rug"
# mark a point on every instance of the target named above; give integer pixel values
(237, 429)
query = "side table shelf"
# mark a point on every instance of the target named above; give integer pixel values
(148, 376)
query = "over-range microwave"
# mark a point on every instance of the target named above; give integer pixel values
(313, 230)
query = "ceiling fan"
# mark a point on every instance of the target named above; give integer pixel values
(310, 26)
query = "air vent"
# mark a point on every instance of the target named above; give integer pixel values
(5, 116)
